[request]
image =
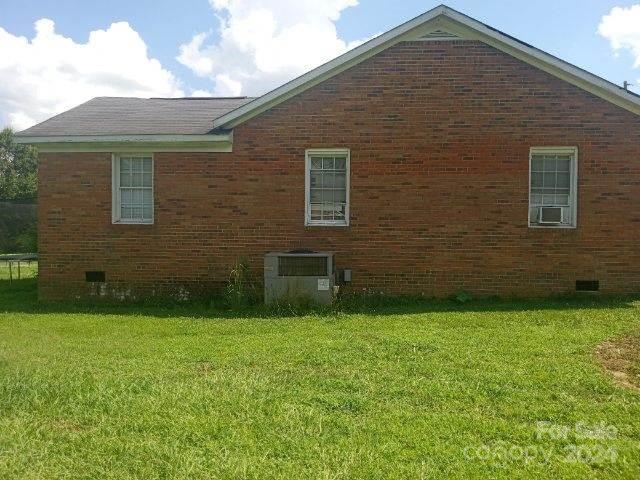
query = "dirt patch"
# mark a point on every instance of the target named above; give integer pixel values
(621, 359)
(205, 368)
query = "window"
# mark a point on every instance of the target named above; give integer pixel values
(552, 187)
(132, 189)
(327, 187)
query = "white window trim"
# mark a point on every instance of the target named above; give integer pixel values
(307, 187)
(115, 190)
(573, 194)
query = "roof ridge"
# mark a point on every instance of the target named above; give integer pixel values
(200, 98)
(171, 98)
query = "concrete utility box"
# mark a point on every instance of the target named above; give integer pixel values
(299, 275)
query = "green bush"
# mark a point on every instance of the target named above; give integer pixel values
(462, 296)
(27, 241)
(18, 230)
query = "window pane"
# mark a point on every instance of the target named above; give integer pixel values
(549, 179)
(549, 164)
(147, 212)
(341, 163)
(340, 180)
(327, 196)
(548, 199)
(147, 165)
(536, 199)
(136, 213)
(147, 197)
(316, 195)
(563, 180)
(564, 164)
(536, 180)
(137, 164)
(328, 180)
(125, 165)
(316, 163)
(316, 212)
(136, 180)
(533, 214)
(125, 196)
(340, 196)
(327, 211)
(125, 213)
(537, 164)
(327, 163)
(125, 179)
(315, 180)
(146, 179)
(137, 197)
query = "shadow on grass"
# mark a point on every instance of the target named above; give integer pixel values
(21, 297)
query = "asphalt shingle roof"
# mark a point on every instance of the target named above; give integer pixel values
(138, 116)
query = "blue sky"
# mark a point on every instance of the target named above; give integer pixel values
(211, 65)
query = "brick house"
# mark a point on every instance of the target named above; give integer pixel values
(439, 156)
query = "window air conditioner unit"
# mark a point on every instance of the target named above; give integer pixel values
(550, 215)
(299, 275)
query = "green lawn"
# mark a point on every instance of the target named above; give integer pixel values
(27, 270)
(427, 390)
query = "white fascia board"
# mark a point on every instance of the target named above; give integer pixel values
(457, 23)
(120, 138)
(130, 143)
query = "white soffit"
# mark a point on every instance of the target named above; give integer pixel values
(450, 25)
(130, 143)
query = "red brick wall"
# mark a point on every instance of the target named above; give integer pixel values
(439, 136)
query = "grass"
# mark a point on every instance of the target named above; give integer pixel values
(27, 270)
(417, 390)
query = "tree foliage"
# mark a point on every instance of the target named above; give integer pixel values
(18, 168)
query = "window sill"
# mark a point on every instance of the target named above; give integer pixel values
(553, 227)
(326, 224)
(125, 222)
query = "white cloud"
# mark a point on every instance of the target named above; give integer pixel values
(264, 43)
(51, 73)
(201, 93)
(622, 28)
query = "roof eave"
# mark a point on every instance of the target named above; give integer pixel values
(219, 142)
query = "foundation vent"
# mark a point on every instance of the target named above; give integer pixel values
(587, 286)
(95, 277)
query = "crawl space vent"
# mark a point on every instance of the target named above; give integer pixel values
(587, 285)
(95, 277)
